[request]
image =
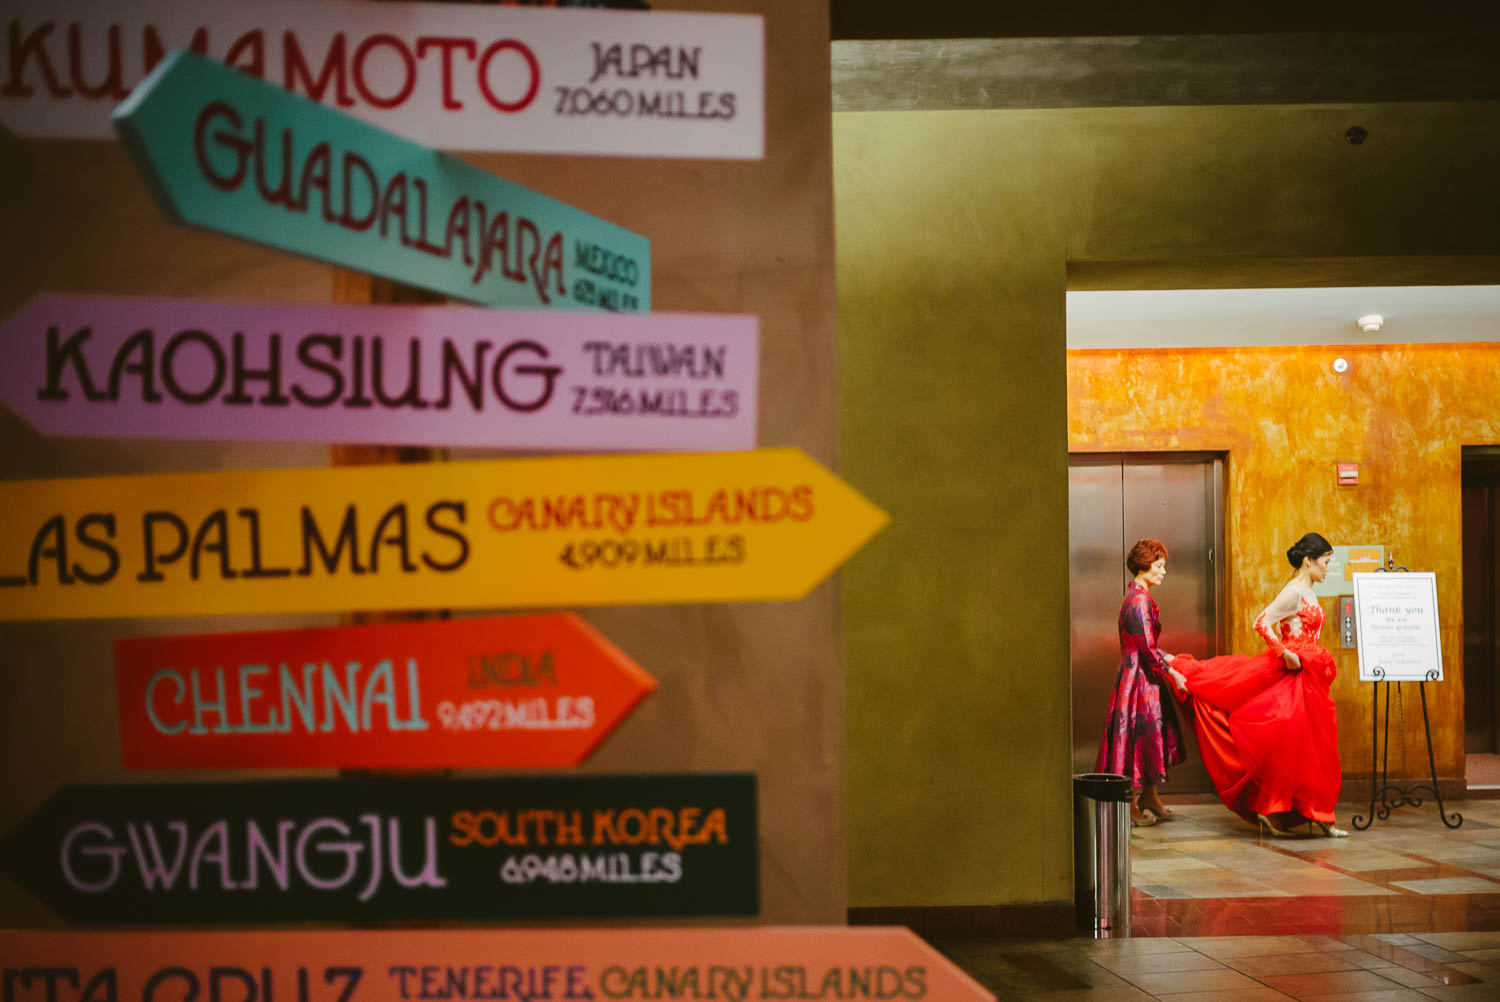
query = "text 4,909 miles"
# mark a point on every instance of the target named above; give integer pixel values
(669, 551)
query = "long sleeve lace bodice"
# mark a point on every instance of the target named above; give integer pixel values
(1291, 618)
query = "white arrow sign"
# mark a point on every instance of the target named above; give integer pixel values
(451, 76)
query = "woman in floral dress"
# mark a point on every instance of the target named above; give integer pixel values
(1143, 739)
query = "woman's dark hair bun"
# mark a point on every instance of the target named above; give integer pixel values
(1311, 545)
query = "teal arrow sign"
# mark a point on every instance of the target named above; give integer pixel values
(227, 152)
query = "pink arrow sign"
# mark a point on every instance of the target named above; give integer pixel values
(398, 375)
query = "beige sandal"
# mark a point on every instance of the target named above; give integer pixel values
(1141, 817)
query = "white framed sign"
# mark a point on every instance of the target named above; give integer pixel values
(447, 75)
(1397, 621)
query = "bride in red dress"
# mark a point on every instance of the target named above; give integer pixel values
(1266, 726)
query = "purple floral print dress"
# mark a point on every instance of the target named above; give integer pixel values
(1142, 738)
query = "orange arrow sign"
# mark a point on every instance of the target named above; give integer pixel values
(484, 693)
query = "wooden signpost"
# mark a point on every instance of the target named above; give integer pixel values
(753, 964)
(512, 692)
(313, 129)
(598, 530)
(393, 849)
(388, 375)
(226, 152)
(506, 78)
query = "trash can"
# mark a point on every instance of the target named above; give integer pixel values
(1101, 854)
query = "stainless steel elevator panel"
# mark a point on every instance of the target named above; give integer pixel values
(1096, 582)
(1113, 501)
(1173, 502)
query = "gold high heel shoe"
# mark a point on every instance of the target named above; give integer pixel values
(1329, 831)
(1267, 825)
(1163, 813)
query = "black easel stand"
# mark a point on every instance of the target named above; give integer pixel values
(1389, 794)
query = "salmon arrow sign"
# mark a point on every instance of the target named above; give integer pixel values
(393, 849)
(224, 151)
(517, 691)
(131, 367)
(737, 964)
(596, 530)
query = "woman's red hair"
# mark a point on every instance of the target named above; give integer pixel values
(1144, 553)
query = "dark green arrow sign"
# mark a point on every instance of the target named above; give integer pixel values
(282, 850)
(227, 152)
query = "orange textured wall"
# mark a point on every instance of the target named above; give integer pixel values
(1284, 417)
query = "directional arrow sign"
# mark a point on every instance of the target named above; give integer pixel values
(482, 693)
(230, 153)
(393, 849)
(505, 77)
(601, 530)
(419, 375)
(749, 964)
(752, 964)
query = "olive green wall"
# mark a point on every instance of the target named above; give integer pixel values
(955, 235)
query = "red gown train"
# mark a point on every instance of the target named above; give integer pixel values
(1267, 734)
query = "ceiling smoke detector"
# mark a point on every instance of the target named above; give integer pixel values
(1370, 323)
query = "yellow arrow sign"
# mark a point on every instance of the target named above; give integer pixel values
(598, 530)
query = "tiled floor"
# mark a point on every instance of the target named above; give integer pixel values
(1210, 874)
(1407, 911)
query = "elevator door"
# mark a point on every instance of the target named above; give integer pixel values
(1481, 566)
(1112, 502)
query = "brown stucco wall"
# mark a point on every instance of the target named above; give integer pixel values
(743, 687)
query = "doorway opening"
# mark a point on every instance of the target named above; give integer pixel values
(1113, 500)
(1481, 590)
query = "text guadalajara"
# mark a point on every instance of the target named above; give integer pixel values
(226, 147)
(232, 154)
